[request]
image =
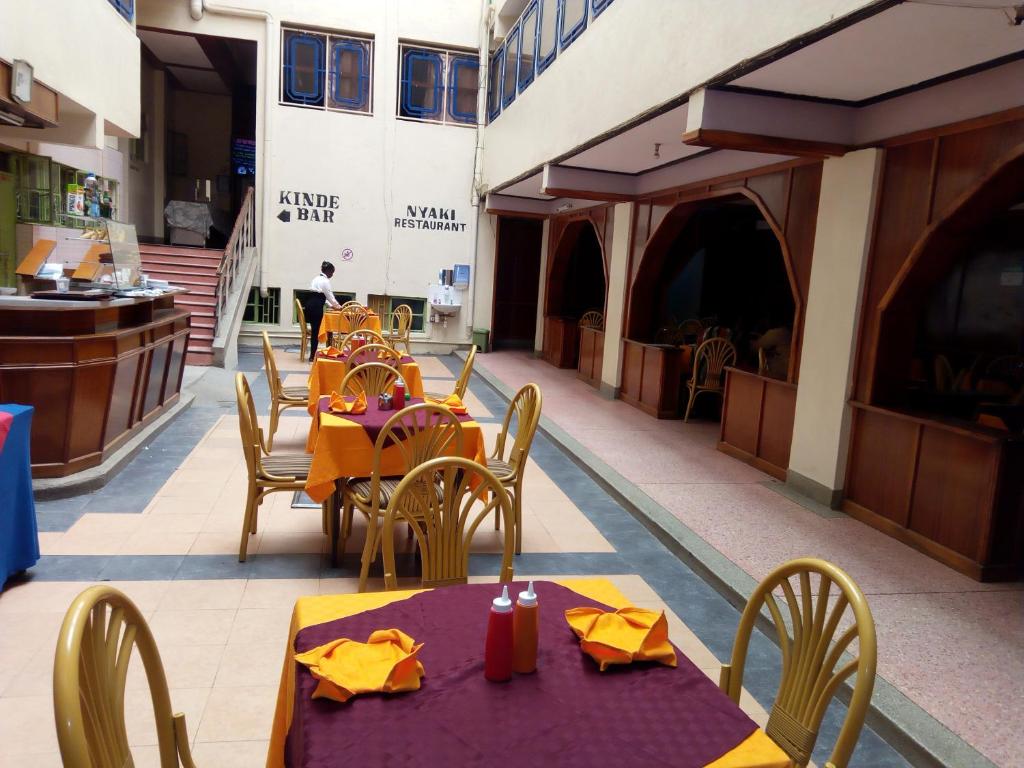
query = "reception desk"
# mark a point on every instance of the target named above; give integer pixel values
(96, 372)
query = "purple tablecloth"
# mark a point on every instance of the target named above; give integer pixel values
(566, 714)
(374, 419)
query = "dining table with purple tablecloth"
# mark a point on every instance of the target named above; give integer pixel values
(567, 713)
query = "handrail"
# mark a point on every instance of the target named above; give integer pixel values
(243, 236)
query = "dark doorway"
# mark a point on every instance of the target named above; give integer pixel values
(577, 275)
(516, 278)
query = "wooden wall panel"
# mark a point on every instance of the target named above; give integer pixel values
(963, 157)
(882, 456)
(591, 356)
(757, 421)
(122, 400)
(773, 189)
(632, 371)
(741, 412)
(776, 434)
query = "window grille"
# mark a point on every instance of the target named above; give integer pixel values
(528, 45)
(438, 85)
(265, 310)
(325, 71)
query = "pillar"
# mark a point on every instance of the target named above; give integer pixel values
(618, 284)
(821, 425)
(542, 288)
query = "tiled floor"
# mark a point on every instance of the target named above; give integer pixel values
(166, 531)
(954, 646)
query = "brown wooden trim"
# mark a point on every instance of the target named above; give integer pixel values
(699, 188)
(960, 126)
(44, 109)
(517, 214)
(748, 458)
(754, 142)
(587, 194)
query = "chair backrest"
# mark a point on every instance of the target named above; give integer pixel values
(467, 370)
(401, 320)
(373, 353)
(710, 361)
(355, 315)
(691, 329)
(370, 335)
(101, 630)
(248, 425)
(444, 523)
(373, 379)
(347, 304)
(592, 319)
(525, 406)
(810, 654)
(270, 364)
(300, 313)
(943, 374)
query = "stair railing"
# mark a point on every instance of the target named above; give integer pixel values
(243, 237)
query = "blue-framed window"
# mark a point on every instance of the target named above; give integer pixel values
(596, 6)
(463, 87)
(350, 74)
(438, 85)
(125, 7)
(509, 81)
(572, 21)
(326, 71)
(547, 36)
(494, 80)
(528, 44)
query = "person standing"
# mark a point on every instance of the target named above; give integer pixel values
(322, 294)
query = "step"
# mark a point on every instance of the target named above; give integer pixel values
(191, 273)
(200, 338)
(174, 250)
(199, 357)
(208, 322)
(194, 289)
(182, 259)
(196, 300)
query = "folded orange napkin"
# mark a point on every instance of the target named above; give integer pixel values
(627, 635)
(332, 352)
(453, 403)
(385, 663)
(340, 404)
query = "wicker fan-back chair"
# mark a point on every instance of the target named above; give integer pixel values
(300, 315)
(373, 353)
(810, 655)
(371, 379)
(690, 330)
(349, 304)
(268, 472)
(462, 383)
(281, 397)
(401, 326)
(709, 362)
(510, 466)
(444, 522)
(369, 335)
(355, 316)
(101, 630)
(592, 319)
(418, 434)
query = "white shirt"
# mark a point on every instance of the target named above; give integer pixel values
(321, 284)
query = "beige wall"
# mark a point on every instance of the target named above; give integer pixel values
(205, 121)
(841, 243)
(146, 179)
(542, 285)
(618, 265)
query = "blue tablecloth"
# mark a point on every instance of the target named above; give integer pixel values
(19, 537)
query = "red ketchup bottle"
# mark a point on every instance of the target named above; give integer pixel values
(498, 650)
(399, 394)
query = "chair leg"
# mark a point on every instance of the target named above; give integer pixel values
(369, 551)
(275, 414)
(344, 527)
(689, 404)
(248, 522)
(517, 510)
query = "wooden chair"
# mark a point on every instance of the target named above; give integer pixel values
(402, 318)
(708, 375)
(592, 319)
(444, 523)
(281, 397)
(810, 654)
(462, 384)
(419, 433)
(100, 631)
(370, 335)
(268, 472)
(372, 379)
(943, 374)
(525, 406)
(690, 330)
(374, 353)
(300, 313)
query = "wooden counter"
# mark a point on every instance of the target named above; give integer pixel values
(951, 489)
(561, 341)
(96, 372)
(757, 420)
(591, 356)
(652, 378)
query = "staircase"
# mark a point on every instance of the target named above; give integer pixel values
(216, 283)
(197, 270)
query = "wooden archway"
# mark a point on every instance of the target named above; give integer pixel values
(558, 264)
(656, 249)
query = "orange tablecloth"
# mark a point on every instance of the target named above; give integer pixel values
(335, 322)
(326, 376)
(757, 751)
(342, 448)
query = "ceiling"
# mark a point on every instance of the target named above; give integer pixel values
(201, 63)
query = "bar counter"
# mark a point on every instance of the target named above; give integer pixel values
(96, 372)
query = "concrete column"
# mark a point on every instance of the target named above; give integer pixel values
(618, 264)
(542, 287)
(483, 277)
(821, 426)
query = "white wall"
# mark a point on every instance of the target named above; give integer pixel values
(84, 50)
(635, 56)
(375, 165)
(618, 280)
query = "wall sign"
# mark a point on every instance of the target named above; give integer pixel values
(429, 217)
(308, 206)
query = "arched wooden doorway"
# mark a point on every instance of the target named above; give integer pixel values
(576, 284)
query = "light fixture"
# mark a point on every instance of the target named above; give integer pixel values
(564, 207)
(657, 150)
(11, 119)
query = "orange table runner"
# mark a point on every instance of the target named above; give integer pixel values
(326, 376)
(757, 751)
(335, 322)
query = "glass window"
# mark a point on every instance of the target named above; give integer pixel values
(463, 87)
(528, 45)
(303, 76)
(33, 192)
(547, 44)
(597, 6)
(421, 86)
(418, 307)
(350, 74)
(259, 309)
(125, 7)
(508, 90)
(572, 22)
(494, 84)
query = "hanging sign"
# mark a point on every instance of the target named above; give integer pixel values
(308, 206)
(430, 217)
